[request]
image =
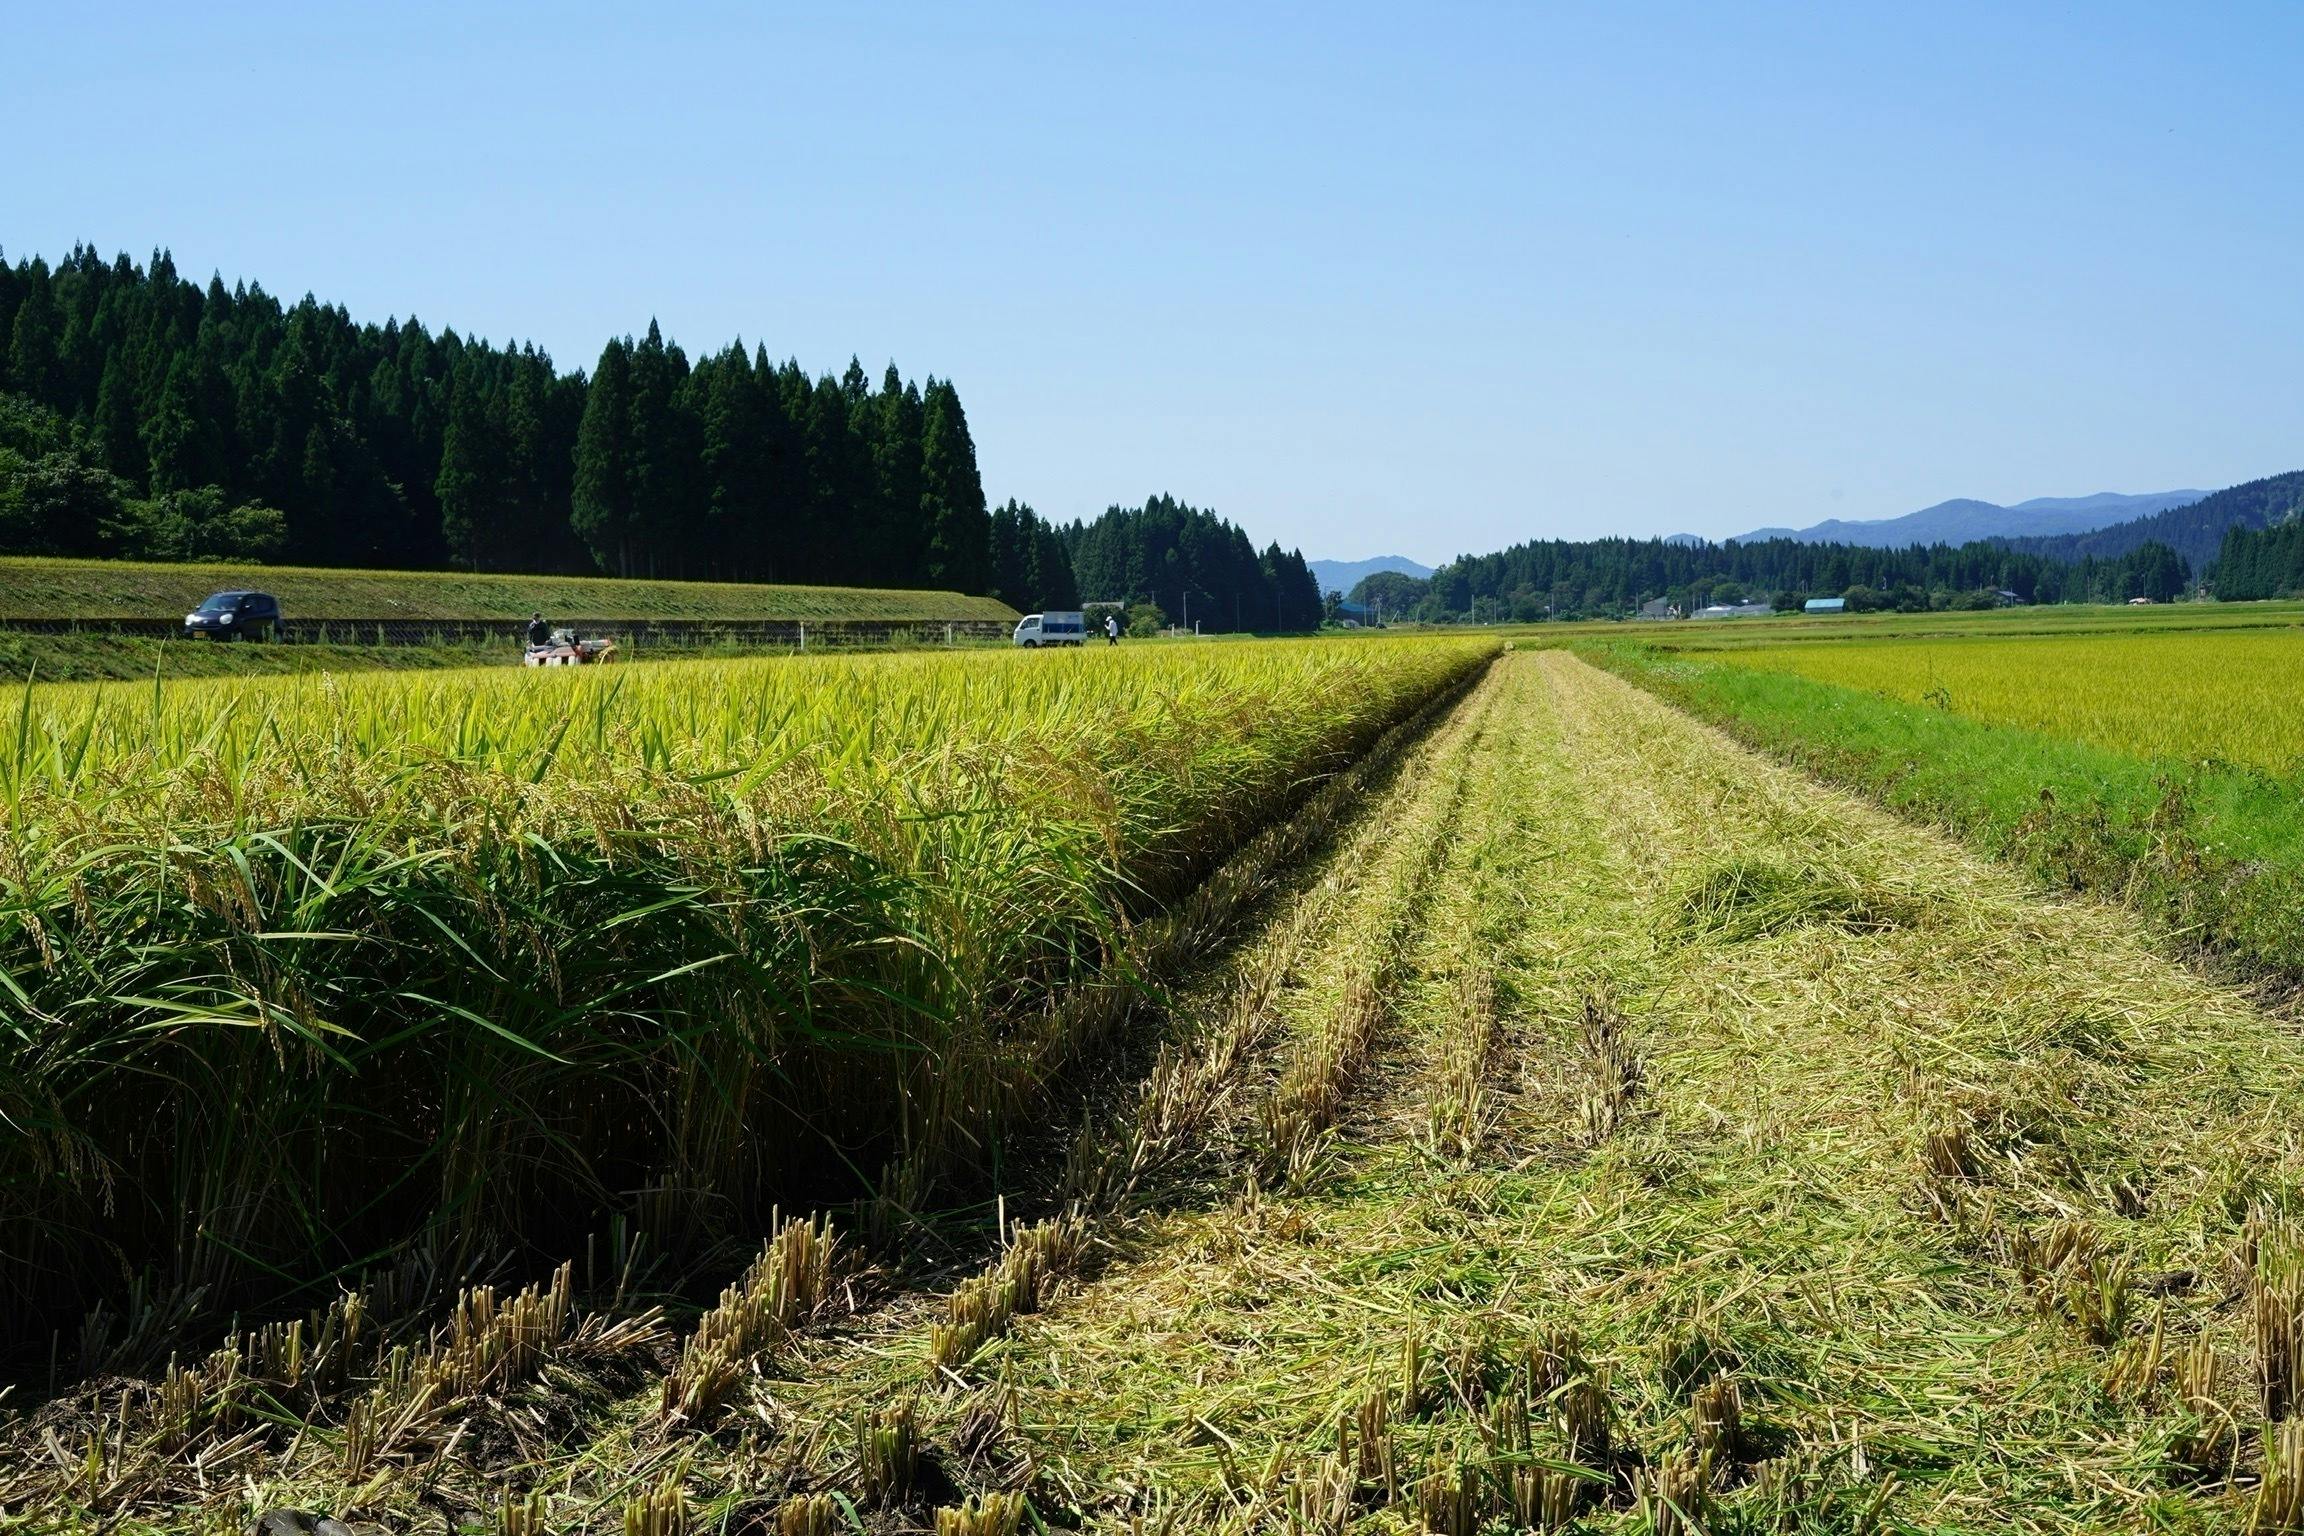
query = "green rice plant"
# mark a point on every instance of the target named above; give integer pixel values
(2155, 770)
(297, 971)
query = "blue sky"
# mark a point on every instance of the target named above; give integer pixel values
(1387, 278)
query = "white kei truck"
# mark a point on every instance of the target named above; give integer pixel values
(1038, 629)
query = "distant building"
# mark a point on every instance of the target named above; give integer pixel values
(1733, 611)
(1658, 608)
(1825, 605)
(2007, 599)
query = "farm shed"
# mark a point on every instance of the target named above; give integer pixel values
(1825, 605)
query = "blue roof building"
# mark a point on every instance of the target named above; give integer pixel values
(1825, 605)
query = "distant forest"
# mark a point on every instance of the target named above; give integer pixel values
(1194, 567)
(2262, 562)
(1605, 577)
(146, 415)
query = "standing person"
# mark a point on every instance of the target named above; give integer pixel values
(1111, 629)
(539, 633)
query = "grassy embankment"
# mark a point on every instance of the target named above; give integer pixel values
(1614, 1130)
(109, 589)
(97, 591)
(2160, 768)
(305, 972)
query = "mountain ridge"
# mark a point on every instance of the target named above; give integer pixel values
(1344, 575)
(2194, 530)
(1963, 520)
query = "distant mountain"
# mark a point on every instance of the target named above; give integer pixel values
(2195, 531)
(1344, 575)
(1964, 521)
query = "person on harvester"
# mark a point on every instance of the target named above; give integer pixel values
(539, 633)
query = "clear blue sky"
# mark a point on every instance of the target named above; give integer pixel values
(1384, 278)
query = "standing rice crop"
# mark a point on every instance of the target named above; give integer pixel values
(294, 970)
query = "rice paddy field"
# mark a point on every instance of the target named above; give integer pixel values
(1366, 1086)
(2184, 696)
(2157, 760)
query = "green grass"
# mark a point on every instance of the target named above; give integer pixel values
(119, 589)
(94, 657)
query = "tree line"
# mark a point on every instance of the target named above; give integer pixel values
(2262, 562)
(1191, 567)
(1600, 578)
(145, 415)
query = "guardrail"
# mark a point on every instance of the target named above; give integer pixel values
(692, 634)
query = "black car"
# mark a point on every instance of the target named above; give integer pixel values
(234, 616)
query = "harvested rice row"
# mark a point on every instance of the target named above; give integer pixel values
(1788, 1336)
(368, 1404)
(1456, 1107)
(1296, 1119)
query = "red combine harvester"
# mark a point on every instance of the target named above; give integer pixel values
(565, 650)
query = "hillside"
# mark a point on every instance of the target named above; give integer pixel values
(1963, 520)
(120, 589)
(2195, 531)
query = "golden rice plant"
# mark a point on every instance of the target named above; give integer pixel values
(358, 950)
